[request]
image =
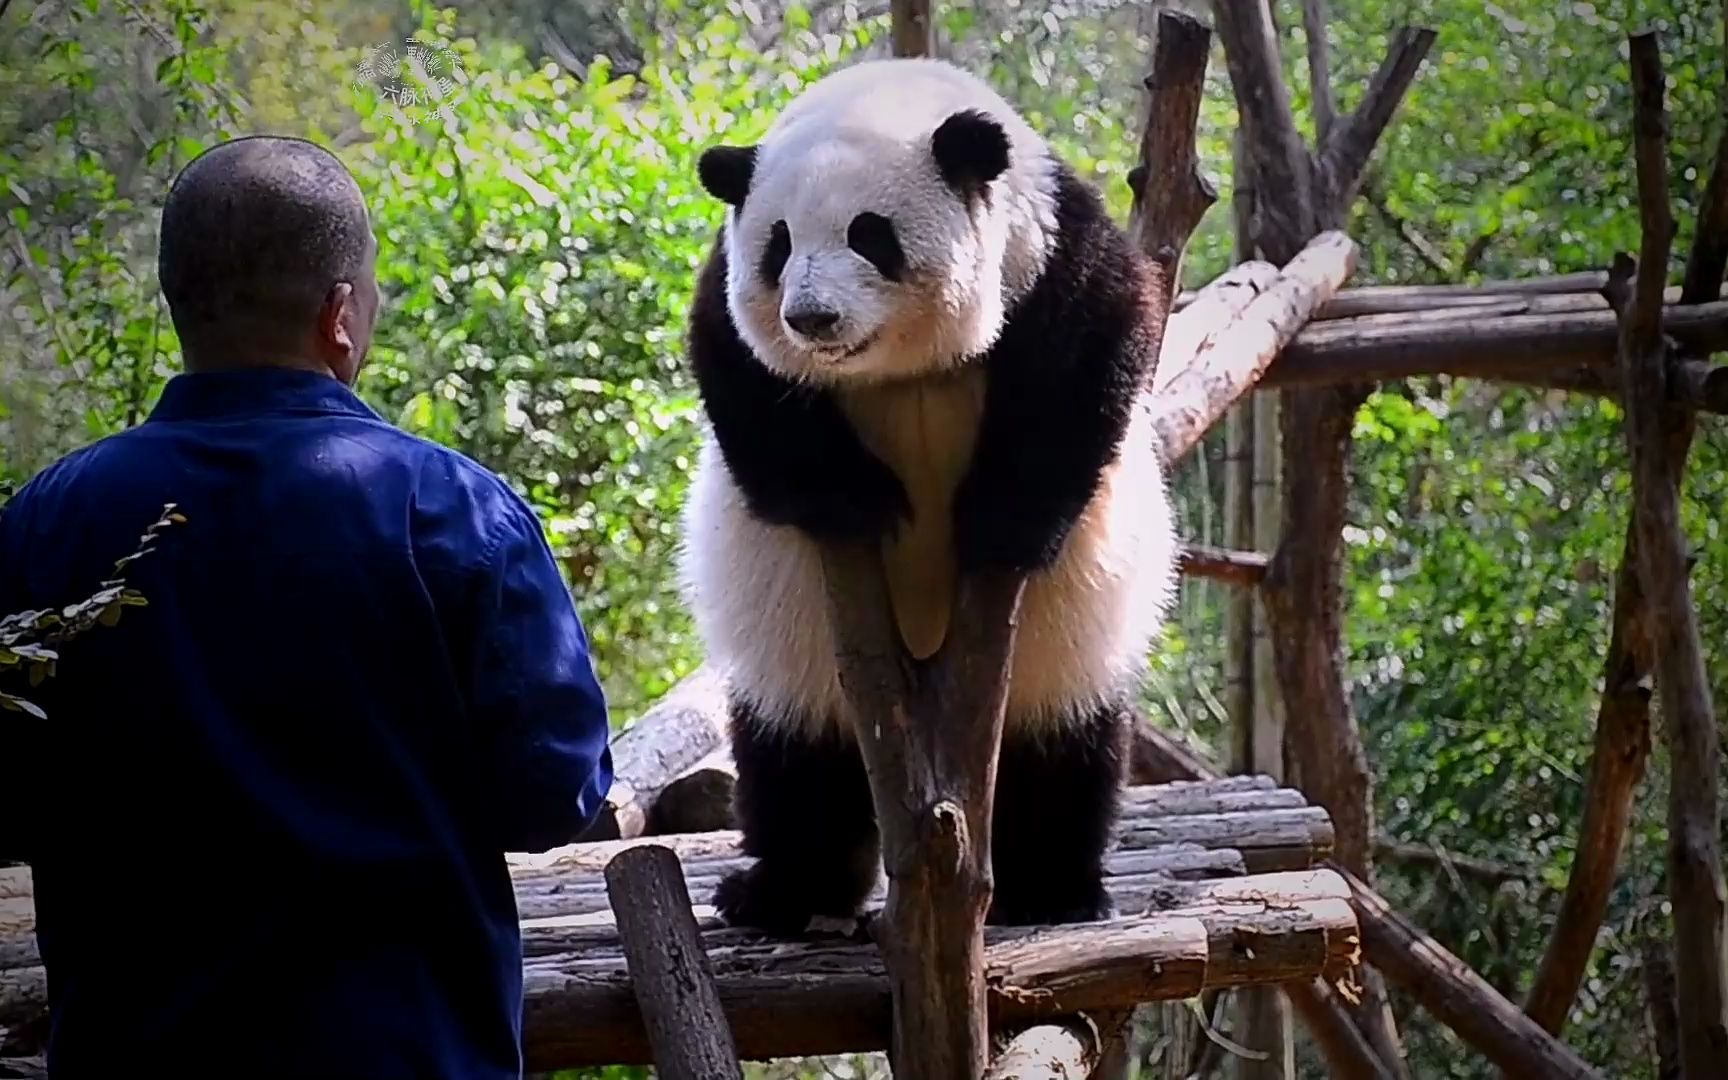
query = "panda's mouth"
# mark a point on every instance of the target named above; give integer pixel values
(839, 354)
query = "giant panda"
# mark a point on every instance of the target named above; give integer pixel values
(918, 327)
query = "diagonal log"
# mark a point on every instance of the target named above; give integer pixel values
(1657, 433)
(1437, 980)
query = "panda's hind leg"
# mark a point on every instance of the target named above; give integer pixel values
(1057, 791)
(803, 804)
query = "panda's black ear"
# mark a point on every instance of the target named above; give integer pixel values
(971, 149)
(725, 172)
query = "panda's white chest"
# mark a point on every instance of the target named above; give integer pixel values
(925, 430)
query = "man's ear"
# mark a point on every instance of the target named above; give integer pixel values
(333, 333)
(971, 149)
(725, 172)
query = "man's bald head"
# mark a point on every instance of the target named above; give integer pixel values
(267, 257)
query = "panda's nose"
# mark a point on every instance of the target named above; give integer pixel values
(815, 323)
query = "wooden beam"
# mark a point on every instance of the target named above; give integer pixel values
(669, 969)
(1173, 196)
(1617, 762)
(1220, 564)
(1653, 428)
(1501, 348)
(912, 30)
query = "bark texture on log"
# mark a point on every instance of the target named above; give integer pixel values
(1653, 428)
(1171, 196)
(673, 981)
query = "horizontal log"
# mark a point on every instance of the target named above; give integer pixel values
(1218, 838)
(1521, 346)
(819, 998)
(1131, 875)
(1222, 564)
(783, 998)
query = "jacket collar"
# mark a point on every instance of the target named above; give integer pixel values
(219, 395)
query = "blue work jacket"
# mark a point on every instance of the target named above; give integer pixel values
(267, 813)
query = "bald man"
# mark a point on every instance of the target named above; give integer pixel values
(267, 813)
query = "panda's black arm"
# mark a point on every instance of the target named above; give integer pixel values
(1062, 381)
(789, 447)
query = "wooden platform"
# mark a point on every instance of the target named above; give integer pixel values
(1213, 880)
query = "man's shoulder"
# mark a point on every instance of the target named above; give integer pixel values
(460, 504)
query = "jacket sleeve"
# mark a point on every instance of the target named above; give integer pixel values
(546, 762)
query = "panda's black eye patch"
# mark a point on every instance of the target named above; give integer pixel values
(774, 256)
(872, 236)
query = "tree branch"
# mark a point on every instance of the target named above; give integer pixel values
(1319, 69)
(1709, 255)
(1172, 197)
(1281, 165)
(1616, 767)
(1346, 153)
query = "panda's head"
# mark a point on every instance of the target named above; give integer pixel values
(884, 224)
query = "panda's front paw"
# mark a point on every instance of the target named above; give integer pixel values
(774, 903)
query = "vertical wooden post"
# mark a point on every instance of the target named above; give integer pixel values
(669, 968)
(912, 29)
(1654, 426)
(1263, 1021)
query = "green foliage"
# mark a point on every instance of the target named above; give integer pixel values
(28, 638)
